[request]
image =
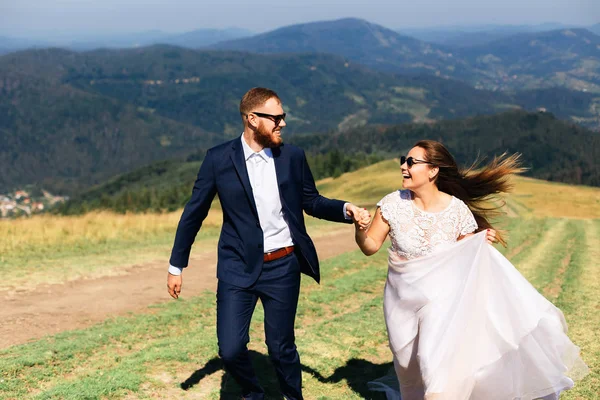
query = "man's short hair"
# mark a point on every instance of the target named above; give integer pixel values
(256, 97)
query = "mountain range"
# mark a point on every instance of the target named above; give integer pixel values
(451, 36)
(567, 58)
(506, 58)
(72, 119)
(466, 36)
(358, 40)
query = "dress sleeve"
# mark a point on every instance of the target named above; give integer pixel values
(467, 222)
(384, 205)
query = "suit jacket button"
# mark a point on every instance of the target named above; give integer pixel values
(260, 246)
(258, 224)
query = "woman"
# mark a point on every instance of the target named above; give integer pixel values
(462, 322)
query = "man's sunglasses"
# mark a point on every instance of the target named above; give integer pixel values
(275, 118)
(412, 161)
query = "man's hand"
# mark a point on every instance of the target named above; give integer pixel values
(174, 283)
(364, 220)
(360, 216)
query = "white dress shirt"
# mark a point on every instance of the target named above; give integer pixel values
(263, 179)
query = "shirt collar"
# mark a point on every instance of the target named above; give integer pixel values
(266, 153)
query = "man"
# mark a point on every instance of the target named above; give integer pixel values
(263, 186)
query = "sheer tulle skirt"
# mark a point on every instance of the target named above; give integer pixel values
(463, 323)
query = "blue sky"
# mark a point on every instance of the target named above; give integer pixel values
(28, 18)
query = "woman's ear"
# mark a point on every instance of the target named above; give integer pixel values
(433, 171)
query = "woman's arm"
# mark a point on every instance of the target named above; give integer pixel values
(371, 239)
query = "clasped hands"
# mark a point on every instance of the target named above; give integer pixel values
(360, 216)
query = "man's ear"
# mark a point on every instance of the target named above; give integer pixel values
(252, 121)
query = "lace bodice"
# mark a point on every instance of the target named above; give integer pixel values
(415, 233)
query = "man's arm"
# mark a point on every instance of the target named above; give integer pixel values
(193, 215)
(321, 207)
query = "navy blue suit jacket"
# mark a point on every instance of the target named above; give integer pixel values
(240, 249)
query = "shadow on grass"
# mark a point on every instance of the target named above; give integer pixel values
(357, 372)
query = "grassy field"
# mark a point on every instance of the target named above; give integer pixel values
(52, 249)
(55, 249)
(170, 352)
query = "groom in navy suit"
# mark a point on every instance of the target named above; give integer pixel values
(263, 186)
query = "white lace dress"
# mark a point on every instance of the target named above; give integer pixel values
(463, 323)
(416, 233)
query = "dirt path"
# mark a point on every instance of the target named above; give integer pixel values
(55, 308)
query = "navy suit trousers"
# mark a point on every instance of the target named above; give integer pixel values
(278, 288)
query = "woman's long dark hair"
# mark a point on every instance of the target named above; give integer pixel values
(477, 187)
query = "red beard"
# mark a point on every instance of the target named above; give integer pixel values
(266, 137)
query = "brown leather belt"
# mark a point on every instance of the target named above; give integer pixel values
(277, 254)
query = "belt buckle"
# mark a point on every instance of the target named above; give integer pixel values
(268, 255)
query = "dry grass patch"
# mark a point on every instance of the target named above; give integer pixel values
(47, 231)
(551, 199)
(366, 186)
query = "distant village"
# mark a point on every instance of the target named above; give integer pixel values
(21, 203)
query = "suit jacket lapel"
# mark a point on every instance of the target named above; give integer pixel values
(237, 156)
(282, 170)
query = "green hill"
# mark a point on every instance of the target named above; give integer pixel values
(320, 91)
(161, 186)
(64, 139)
(568, 58)
(167, 185)
(551, 149)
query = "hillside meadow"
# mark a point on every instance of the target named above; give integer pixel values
(170, 351)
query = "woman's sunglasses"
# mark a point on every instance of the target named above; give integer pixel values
(412, 161)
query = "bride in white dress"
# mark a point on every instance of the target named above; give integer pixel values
(463, 323)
